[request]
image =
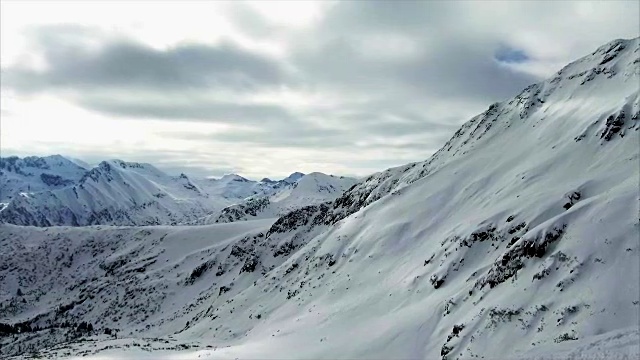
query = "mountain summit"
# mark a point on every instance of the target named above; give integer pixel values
(293, 177)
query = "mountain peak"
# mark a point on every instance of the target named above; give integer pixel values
(293, 177)
(233, 177)
(128, 164)
(56, 157)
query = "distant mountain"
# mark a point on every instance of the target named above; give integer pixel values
(293, 177)
(233, 186)
(79, 162)
(288, 195)
(55, 191)
(34, 174)
(117, 193)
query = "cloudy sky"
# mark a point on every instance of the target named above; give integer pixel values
(267, 88)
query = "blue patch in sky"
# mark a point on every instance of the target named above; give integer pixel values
(508, 54)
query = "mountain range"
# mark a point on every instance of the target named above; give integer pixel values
(53, 190)
(517, 239)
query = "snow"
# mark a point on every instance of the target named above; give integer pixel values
(115, 192)
(615, 345)
(118, 193)
(311, 189)
(30, 174)
(294, 177)
(518, 239)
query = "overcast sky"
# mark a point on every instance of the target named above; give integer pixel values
(267, 88)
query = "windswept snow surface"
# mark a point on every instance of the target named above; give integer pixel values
(519, 239)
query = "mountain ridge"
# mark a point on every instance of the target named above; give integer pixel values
(118, 192)
(307, 190)
(521, 229)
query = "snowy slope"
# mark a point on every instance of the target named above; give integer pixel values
(518, 239)
(121, 278)
(294, 177)
(310, 189)
(33, 174)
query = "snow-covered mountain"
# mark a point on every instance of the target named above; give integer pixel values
(33, 174)
(115, 192)
(517, 239)
(233, 186)
(293, 178)
(310, 189)
(58, 192)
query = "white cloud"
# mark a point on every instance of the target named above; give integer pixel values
(340, 87)
(296, 14)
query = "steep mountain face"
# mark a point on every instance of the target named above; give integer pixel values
(517, 239)
(115, 192)
(34, 174)
(311, 189)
